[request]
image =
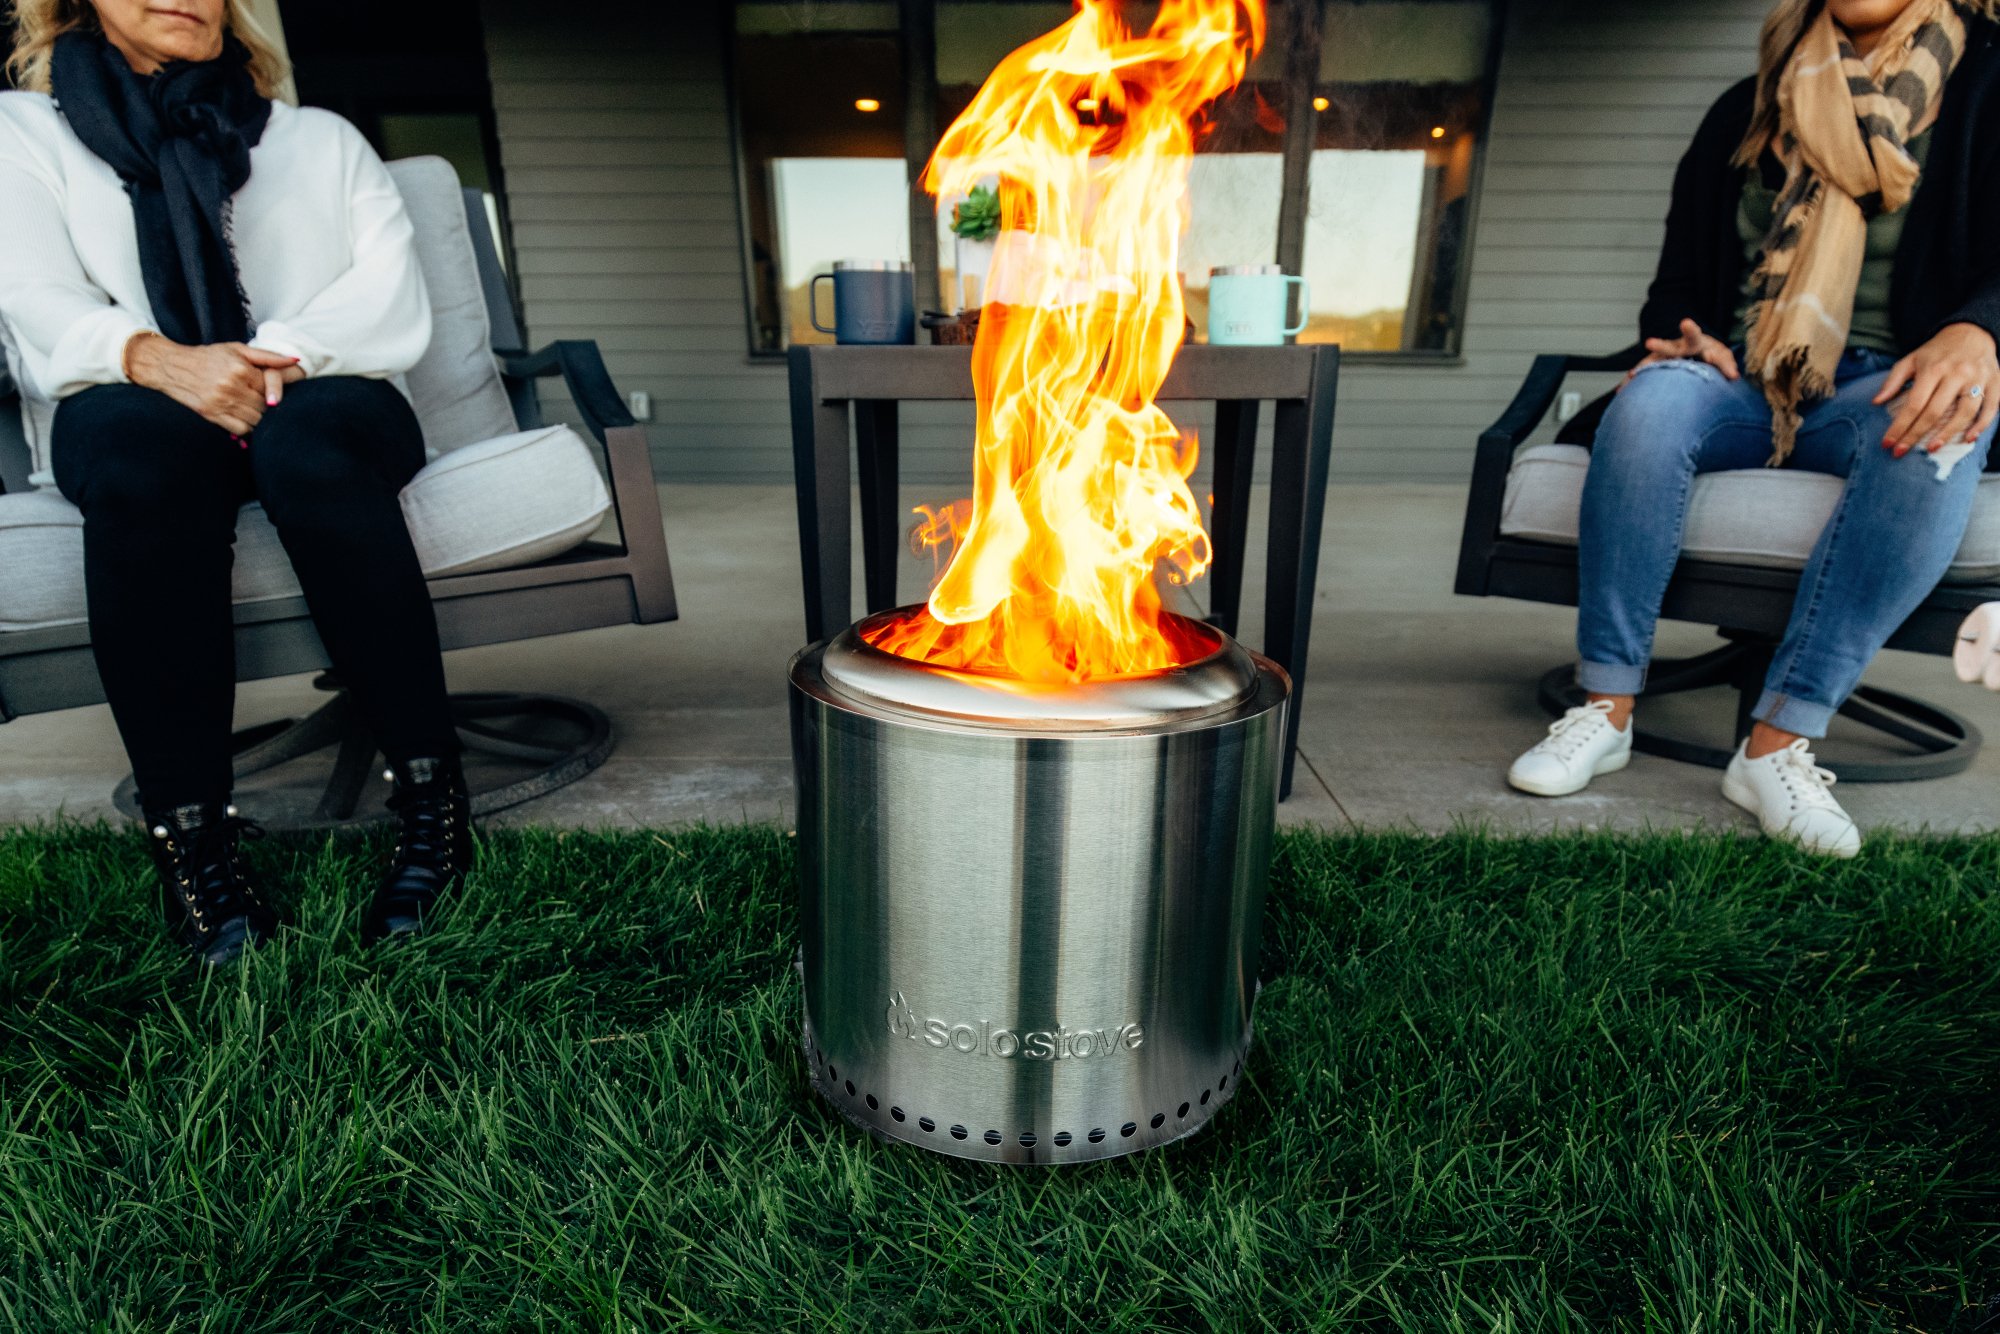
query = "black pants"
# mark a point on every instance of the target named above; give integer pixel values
(159, 488)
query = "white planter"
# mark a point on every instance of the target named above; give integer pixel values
(972, 262)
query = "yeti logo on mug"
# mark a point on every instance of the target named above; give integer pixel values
(985, 1038)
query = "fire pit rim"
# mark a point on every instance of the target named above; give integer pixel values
(1216, 683)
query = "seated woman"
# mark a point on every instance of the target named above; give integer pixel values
(217, 290)
(1827, 298)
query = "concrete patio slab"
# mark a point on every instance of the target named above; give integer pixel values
(1415, 702)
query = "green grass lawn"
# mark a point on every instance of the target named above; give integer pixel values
(1689, 1084)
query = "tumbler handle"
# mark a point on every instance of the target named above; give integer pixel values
(812, 301)
(1305, 306)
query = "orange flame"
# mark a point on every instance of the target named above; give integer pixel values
(1080, 480)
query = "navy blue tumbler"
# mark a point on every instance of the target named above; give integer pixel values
(874, 301)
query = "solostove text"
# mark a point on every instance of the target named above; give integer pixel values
(986, 1038)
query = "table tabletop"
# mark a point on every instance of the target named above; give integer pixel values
(845, 373)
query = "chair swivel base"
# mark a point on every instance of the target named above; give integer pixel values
(1942, 742)
(516, 747)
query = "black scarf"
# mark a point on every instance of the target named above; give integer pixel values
(180, 140)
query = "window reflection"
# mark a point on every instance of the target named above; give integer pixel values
(1235, 184)
(1399, 106)
(819, 89)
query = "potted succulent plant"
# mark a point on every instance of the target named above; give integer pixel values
(975, 221)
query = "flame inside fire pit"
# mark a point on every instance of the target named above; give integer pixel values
(1080, 480)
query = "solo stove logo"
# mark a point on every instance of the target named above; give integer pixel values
(984, 1039)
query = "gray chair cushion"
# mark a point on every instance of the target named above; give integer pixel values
(41, 560)
(456, 388)
(1759, 516)
(513, 500)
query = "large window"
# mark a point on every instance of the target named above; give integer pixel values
(820, 112)
(1349, 154)
(1400, 108)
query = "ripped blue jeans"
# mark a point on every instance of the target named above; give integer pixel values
(1885, 548)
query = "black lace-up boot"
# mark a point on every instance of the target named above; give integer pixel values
(433, 847)
(206, 895)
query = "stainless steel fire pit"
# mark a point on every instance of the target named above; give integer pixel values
(1031, 913)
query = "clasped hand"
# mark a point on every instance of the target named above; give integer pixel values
(230, 384)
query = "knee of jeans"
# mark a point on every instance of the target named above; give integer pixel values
(1921, 471)
(1658, 403)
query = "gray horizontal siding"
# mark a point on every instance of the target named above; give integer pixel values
(622, 198)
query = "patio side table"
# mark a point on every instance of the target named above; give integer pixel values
(831, 384)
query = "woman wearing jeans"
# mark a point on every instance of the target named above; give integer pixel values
(1827, 298)
(216, 289)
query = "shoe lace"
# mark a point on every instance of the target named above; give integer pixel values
(1805, 781)
(1568, 733)
(426, 824)
(209, 870)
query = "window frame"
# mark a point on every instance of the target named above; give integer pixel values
(917, 26)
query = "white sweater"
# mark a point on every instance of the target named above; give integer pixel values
(322, 242)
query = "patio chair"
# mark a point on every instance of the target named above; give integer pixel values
(1748, 534)
(508, 519)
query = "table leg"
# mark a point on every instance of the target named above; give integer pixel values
(875, 441)
(820, 472)
(1235, 454)
(1302, 446)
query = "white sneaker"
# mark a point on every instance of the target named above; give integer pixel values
(1788, 794)
(1580, 745)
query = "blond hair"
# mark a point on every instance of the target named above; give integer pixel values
(1783, 27)
(37, 24)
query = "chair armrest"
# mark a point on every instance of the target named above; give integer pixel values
(1494, 457)
(581, 366)
(628, 457)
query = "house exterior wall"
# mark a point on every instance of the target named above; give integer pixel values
(621, 184)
